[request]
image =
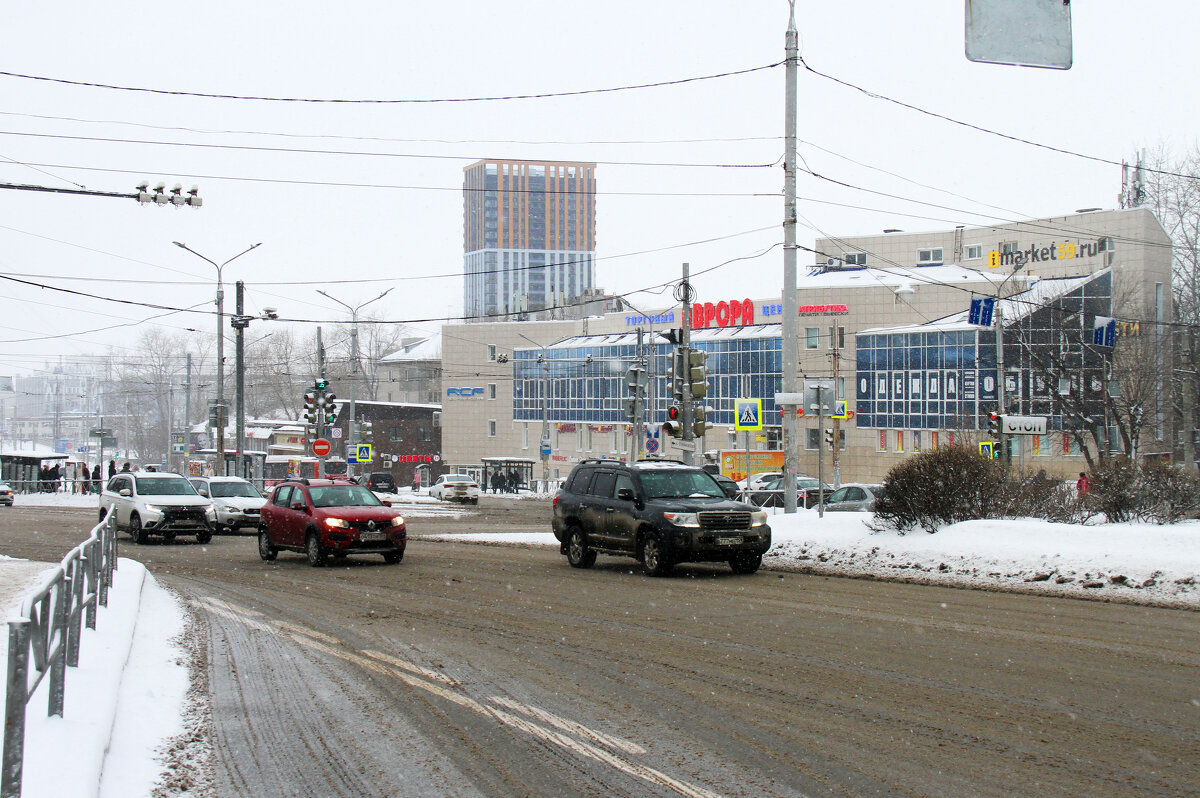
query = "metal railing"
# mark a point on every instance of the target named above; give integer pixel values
(44, 639)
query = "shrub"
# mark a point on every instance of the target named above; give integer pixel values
(1115, 490)
(942, 487)
(1169, 494)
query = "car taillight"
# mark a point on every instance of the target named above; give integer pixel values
(554, 503)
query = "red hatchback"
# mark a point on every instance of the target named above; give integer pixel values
(329, 517)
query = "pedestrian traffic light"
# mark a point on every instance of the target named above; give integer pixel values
(366, 432)
(321, 384)
(829, 437)
(994, 422)
(673, 426)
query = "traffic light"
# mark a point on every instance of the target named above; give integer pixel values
(698, 373)
(994, 422)
(330, 409)
(700, 423)
(673, 426)
(829, 437)
(675, 373)
(322, 384)
(366, 432)
(631, 409)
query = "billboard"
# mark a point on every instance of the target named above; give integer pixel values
(733, 462)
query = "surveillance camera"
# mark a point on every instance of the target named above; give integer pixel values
(270, 313)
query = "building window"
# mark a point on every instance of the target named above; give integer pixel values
(491, 353)
(423, 433)
(491, 394)
(1008, 247)
(812, 337)
(812, 438)
(973, 252)
(837, 337)
(579, 437)
(929, 257)
(525, 436)
(396, 434)
(916, 441)
(855, 258)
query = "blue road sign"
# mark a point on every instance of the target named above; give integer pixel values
(1104, 331)
(982, 310)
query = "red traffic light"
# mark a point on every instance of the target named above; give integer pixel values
(673, 412)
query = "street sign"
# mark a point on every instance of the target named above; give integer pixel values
(545, 447)
(840, 410)
(1023, 425)
(1104, 331)
(687, 446)
(789, 398)
(100, 433)
(982, 310)
(987, 450)
(747, 414)
(335, 433)
(320, 447)
(363, 453)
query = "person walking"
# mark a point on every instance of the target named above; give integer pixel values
(1082, 484)
(112, 468)
(96, 478)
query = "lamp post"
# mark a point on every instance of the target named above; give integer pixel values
(545, 442)
(353, 364)
(1000, 403)
(220, 345)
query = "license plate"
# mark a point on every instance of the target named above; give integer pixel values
(729, 541)
(372, 537)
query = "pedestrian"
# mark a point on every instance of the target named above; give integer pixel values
(513, 482)
(126, 467)
(1082, 484)
(497, 481)
(112, 468)
(96, 478)
(416, 486)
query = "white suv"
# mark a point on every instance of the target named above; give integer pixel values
(157, 503)
(237, 502)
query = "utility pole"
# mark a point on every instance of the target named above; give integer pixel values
(685, 343)
(239, 323)
(790, 343)
(187, 408)
(320, 415)
(837, 421)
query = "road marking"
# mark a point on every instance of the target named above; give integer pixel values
(406, 672)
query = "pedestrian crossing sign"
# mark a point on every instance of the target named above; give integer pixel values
(747, 414)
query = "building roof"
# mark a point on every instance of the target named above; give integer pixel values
(1017, 306)
(429, 348)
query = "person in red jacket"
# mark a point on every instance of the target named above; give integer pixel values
(1082, 484)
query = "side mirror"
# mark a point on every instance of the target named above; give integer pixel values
(385, 502)
(300, 506)
(625, 494)
(125, 492)
(203, 491)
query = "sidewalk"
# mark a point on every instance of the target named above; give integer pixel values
(122, 704)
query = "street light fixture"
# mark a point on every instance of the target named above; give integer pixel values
(220, 345)
(353, 362)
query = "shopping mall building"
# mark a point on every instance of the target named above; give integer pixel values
(886, 318)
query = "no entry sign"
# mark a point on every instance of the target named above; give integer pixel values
(320, 447)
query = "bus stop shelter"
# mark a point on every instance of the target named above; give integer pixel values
(506, 474)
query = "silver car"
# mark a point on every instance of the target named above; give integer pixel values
(237, 502)
(854, 496)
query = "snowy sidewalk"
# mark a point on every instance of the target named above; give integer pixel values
(123, 702)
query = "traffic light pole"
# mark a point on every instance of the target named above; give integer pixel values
(685, 345)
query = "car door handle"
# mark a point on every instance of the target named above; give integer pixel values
(609, 510)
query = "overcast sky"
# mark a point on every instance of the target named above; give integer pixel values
(356, 224)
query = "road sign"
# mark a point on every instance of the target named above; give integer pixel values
(363, 454)
(687, 446)
(100, 433)
(982, 310)
(335, 433)
(320, 447)
(840, 410)
(545, 447)
(987, 449)
(1023, 425)
(789, 398)
(747, 414)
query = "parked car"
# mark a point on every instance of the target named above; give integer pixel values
(329, 517)
(731, 488)
(455, 488)
(236, 501)
(854, 496)
(379, 481)
(660, 512)
(6, 494)
(157, 503)
(759, 480)
(771, 493)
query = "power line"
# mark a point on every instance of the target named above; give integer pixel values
(408, 101)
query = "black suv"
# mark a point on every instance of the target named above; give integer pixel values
(661, 512)
(382, 481)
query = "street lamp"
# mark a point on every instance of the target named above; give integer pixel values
(1000, 360)
(220, 345)
(353, 363)
(545, 442)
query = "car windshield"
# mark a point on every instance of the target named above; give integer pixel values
(165, 487)
(677, 484)
(342, 496)
(226, 490)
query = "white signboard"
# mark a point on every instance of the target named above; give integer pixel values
(1024, 425)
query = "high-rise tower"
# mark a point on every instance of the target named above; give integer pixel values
(530, 237)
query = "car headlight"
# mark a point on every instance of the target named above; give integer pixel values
(339, 523)
(398, 521)
(211, 512)
(683, 519)
(155, 508)
(758, 518)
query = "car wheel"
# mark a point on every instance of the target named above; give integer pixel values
(745, 563)
(654, 559)
(579, 555)
(204, 537)
(135, 529)
(393, 557)
(313, 550)
(265, 550)
(475, 500)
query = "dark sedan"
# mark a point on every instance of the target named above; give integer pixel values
(771, 494)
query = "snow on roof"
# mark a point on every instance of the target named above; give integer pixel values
(1012, 308)
(895, 276)
(697, 336)
(420, 349)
